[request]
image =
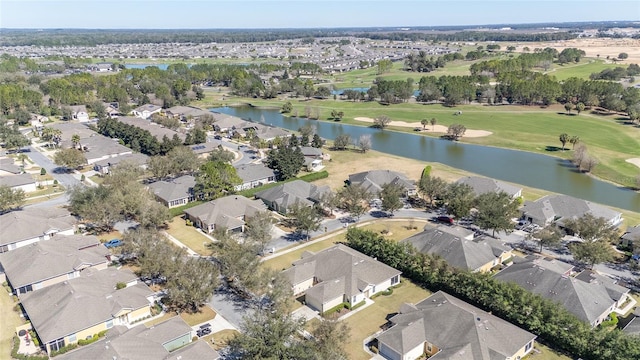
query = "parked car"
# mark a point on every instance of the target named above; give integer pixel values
(444, 219)
(204, 330)
(113, 243)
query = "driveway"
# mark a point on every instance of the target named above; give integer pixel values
(230, 306)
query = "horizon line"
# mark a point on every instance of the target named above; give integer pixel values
(337, 27)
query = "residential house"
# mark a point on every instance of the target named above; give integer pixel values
(339, 274)
(32, 224)
(37, 122)
(68, 129)
(8, 167)
(631, 236)
(156, 130)
(112, 109)
(269, 133)
(101, 67)
(203, 150)
(145, 111)
(185, 113)
(224, 123)
(24, 182)
(175, 192)
(482, 185)
(445, 327)
(460, 249)
(168, 340)
(63, 313)
(373, 180)
(104, 166)
(558, 208)
(588, 295)
(280, 198)
(254, 175)
(633, 326)
(312, 158)
(45, 263)
(80, 113)
(97, 148)
(229, 212)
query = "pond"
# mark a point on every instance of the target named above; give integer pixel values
(520, 167)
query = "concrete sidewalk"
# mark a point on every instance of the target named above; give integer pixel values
(179, 244)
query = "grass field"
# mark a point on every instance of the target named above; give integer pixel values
(189, 236)
(10, 320)
(582, 69)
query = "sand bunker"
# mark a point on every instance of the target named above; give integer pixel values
(469, 133)
(634, 161)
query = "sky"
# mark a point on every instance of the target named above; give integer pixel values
(242, 14)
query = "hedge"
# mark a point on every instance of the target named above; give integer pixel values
(551, 322)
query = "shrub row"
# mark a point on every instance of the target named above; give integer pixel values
(551, 322)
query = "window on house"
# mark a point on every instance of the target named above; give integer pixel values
(429, 348)
(110, 324)
(395, 279)
(72, 338)
(528, 346)
(56, 344)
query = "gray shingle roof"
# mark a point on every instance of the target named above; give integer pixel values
(458, 329)
(54, 310)
(588, 297)
(186, 111)
(632, 233)
(354, 270)
(457, 246)
(483, 185)
(136, 158)
(48, 259)
(254, 172)
(178, 188)
(224, 121)
(311, 151)
(16, 180)
(98, 146)
(228, 211)
(156, 130)
(373, 180)
(291, 192)
(32, 222)
(148, 107)
(140, 343)
(8, 165)
(552, 207)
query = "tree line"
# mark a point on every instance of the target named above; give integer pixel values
(552, 323)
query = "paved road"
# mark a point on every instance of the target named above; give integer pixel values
(66, 179)
(247, 154)
(230, 306)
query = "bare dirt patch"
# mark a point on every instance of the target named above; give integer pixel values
(595, 47)
(441, 129)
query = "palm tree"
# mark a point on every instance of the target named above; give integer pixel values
(433, 123)
(573, 141)
(75, 140)
(23, 159)
(424, 123)
(564, 138)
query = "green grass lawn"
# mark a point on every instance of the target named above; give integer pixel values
(220, 339)
(545, 353)
(368, 321)
(10, 320)
(582, 69)
(189, 236)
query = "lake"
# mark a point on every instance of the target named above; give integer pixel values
(520, 167)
